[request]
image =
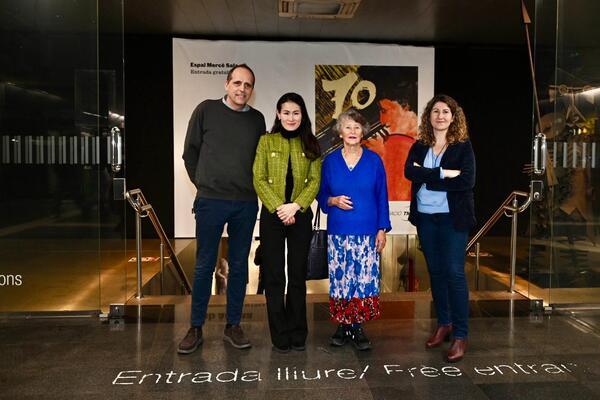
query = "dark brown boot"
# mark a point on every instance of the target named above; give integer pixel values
(457, 350)
(191, 341)
(442, 334)
(235, 335)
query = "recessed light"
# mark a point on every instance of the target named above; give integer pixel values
(321, 9)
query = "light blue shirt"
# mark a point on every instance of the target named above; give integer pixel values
(429, 201)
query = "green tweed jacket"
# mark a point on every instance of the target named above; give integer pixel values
(270, 170)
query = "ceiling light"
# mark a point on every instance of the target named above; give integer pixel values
(323, 9)
(590, 91)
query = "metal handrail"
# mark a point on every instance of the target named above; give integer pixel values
(510, 208)
(143, 209)
(504, 206)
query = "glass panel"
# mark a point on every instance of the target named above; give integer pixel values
(539, 272)
(111, 133)
(49, 162)
(568, 220)
(576, 101)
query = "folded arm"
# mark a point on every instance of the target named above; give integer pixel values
(465, 180)
(418, 174)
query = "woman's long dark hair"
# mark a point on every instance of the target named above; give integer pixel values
(310, 145)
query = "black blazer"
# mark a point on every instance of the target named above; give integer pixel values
(459, 190)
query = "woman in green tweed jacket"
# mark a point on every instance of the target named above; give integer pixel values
(287, 175)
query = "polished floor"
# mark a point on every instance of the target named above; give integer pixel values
(513, 354)
(75, 276)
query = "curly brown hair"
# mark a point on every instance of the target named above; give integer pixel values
(457, 131)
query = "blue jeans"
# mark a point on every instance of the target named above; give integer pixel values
(211, 216)
(444, 249)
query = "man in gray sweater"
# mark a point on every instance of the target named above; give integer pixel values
(218, 154)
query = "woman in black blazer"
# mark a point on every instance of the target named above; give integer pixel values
(441, 166)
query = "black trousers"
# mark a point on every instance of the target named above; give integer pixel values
(286, 312)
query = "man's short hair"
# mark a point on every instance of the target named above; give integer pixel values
(243, 65)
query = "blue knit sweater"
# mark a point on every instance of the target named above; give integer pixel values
(365, 185)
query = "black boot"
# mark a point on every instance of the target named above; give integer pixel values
(360, 340)
(341, 336)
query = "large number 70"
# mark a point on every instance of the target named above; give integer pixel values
(341, 87)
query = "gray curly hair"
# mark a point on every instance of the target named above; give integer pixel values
(355, 116)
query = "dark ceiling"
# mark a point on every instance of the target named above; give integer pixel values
(430, 22)
(400, 21)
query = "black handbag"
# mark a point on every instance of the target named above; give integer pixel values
(317, 267)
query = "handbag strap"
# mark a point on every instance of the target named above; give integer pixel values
(317, 222)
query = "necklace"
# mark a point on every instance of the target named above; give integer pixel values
(436, 156)
(351, 162)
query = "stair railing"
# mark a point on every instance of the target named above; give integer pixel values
(143, 209)
(511, 209)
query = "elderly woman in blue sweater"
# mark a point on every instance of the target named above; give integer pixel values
(354, 195)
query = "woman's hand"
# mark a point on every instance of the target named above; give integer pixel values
(287, 211)
(451, 173)
(380, 240)
(342, 202)
(290, 221)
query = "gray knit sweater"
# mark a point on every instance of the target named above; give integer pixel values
(219, 150)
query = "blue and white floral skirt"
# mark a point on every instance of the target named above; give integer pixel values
(354, 278)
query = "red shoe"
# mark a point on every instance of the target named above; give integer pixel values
(442, 334)
(457, 350)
